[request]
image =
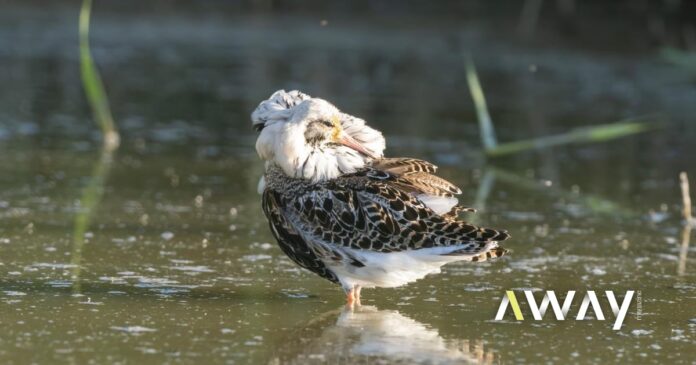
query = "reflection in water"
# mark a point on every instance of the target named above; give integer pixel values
(689, 222)
(89, 201)
(596, 205)
(369, 334)
(684, 249)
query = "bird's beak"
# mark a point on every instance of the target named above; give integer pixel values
(350, 142)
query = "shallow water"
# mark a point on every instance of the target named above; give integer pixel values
(177, 263)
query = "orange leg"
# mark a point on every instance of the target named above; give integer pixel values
(350, 297)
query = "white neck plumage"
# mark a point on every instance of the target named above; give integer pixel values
(321, 164)
(282, 121)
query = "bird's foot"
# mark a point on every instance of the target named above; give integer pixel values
(350, 298)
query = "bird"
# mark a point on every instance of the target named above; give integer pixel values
(342, 210)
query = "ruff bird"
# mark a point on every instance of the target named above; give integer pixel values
(340, 209)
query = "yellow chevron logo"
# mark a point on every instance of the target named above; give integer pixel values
(515, 306)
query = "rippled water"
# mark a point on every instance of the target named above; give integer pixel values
(177, 264)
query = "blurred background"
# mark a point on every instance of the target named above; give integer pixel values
(544, 65)
(165, 233)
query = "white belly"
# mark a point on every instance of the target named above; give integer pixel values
(388, 270)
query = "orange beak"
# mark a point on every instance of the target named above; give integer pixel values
(350, 142)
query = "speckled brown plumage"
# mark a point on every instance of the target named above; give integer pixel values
(375, 209)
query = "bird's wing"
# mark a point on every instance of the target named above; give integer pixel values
(290, 240)
(417, 177)
(370, 210)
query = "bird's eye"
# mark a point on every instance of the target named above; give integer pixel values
(326, 123)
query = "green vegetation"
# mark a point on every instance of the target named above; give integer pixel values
(598, 133)
(92, 83)
(488, 138)
(593, 134)
(98, 101)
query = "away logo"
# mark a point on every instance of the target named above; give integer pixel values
(590, 300)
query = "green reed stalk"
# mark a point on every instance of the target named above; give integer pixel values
(493, 148)
(592, 134)
(98, 101)
(92, 83)
(488, 138)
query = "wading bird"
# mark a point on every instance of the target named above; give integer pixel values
(340, 209)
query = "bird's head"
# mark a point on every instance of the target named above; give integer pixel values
(310, 138)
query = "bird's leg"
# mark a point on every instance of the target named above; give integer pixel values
(357, 290)
(350, 297)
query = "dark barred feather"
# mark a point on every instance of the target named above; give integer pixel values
(456, 210)
(290, 241)
(367, 210)
(491, 254)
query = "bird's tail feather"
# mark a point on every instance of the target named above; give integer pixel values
(492, 253)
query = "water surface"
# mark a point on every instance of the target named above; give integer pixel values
(177, 264)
